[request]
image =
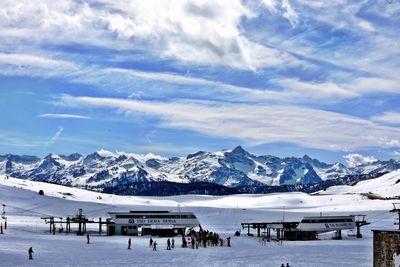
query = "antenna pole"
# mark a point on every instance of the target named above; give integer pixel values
(396, 208)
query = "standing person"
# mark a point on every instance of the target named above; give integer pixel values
(173, 243)
(88, 239)
(228, 241)
(192, 242)
(155, 246)
(168, 244)
(151, 242)
(287, 265)
(30, 252)
(129, 243)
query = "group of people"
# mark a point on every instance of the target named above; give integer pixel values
(206, 238)
(287, 265)
(153, 244)
(194, 239)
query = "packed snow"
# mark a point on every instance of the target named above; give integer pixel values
(222, 214)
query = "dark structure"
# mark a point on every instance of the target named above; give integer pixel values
(79, 219)
(386, 248)
(396, 209)
(146, 222)
(282, 230)
(308, 228)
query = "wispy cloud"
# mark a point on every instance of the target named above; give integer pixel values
(257, 124)
(56, 136)
(33, 65)
(63, 116)
(390, 118)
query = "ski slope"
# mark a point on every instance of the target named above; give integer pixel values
(222, 214)
(386, 186)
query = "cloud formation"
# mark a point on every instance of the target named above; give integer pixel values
(63, 116)
(355, 160)
(56, 136)
(256, 124)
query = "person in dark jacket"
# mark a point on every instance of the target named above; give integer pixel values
(129, 243)
(173, 243)
(155, 246)
(151, 242)
(88, 239)
(168, 244)
(228, 241)
(30, 252)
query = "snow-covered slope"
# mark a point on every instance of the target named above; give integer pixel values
(223, 215)
(387, 186)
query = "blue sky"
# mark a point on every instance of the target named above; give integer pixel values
(280, 77)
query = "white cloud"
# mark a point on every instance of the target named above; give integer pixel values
(254, 123)
(354, 160)
(203, 32)
(391, 118)
(62, 116)
(283, 8)
(366, 25)
(56, 136)
(290, 13)
(317, 90)
(33, 65)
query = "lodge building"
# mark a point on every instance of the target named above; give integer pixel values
(162, 223)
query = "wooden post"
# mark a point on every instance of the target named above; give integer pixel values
(248, 229)
(100, 230)
(68, 225)
(258, 230)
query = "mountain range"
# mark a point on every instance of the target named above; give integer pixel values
(235, 168)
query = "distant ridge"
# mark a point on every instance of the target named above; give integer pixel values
(236, 169)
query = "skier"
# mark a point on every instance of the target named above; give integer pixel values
(184, 243)
(129, 243)
(30, 252)
(228, 241)
(192, 242)
(168, 244)
(151, 242)
(173, 243)
(88, 239)
(154, 246)
(283, 265)
(287, 265)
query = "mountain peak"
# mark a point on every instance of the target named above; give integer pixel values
(239, 150)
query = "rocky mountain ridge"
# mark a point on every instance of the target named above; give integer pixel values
(234, 168)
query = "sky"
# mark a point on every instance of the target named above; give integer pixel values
(279, 77)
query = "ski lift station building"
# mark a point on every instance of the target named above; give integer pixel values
(162, 223)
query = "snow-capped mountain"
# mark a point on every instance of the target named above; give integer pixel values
(232, 168)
